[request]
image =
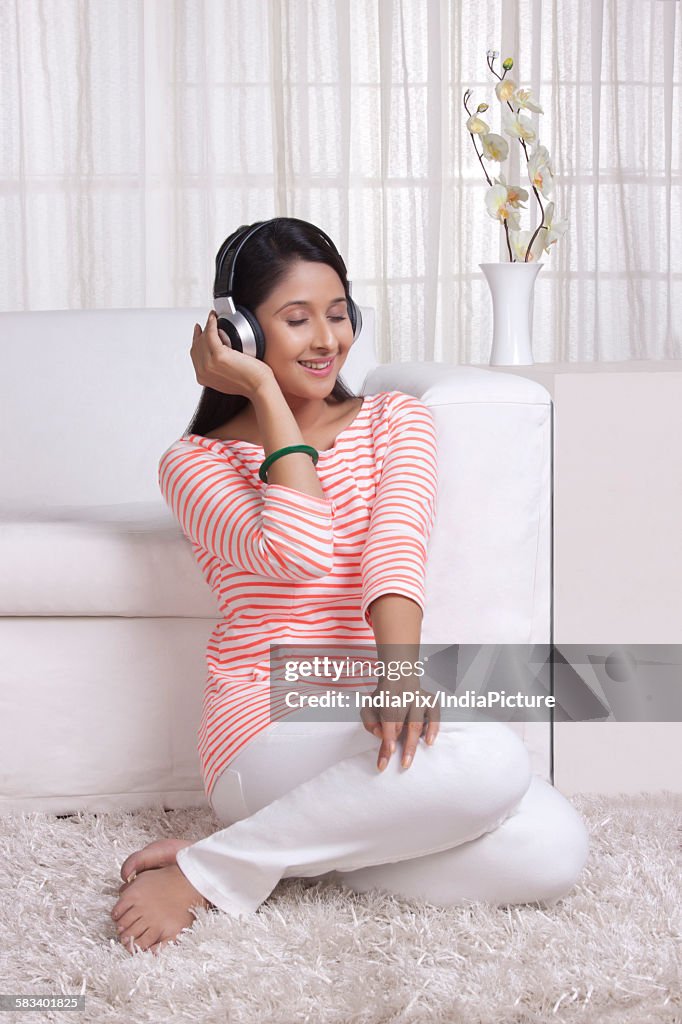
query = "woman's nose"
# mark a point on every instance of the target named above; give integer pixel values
(324, 334)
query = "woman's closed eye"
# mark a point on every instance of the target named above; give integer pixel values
(297, 323)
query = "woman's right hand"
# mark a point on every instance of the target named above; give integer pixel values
(220, 367)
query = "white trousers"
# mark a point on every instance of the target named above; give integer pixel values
(467, 821)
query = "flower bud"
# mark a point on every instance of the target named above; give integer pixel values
(481, 107)
(508, 64)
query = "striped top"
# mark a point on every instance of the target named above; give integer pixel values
(290, 568)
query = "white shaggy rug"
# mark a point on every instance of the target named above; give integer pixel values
(609, 952)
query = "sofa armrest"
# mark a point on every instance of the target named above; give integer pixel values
(443, 383)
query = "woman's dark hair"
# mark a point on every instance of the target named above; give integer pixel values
(263, 262)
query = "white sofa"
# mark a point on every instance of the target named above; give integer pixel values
(105, 614)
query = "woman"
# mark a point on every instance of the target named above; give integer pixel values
(316, 547)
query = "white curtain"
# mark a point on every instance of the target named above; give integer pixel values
(138, 133)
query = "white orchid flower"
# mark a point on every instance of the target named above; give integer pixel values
(498, 206)
(515, 194)
(504, 201)
(494, 147)
(505, 89)
(555, 228)
(520, 241)
(524, 98)
(546, 236)
(540, 172)
(517, 126)
(477, 125)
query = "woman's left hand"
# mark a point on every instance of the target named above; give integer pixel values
(409, 720)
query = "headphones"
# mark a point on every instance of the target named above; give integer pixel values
(239, 324)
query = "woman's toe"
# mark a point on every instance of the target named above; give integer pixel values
(158, 854)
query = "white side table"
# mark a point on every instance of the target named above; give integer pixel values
(617, 549)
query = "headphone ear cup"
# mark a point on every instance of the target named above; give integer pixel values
(232, 333)
(243, 331)
(258, 336)
(355, 317)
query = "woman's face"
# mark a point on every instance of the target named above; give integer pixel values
(305, 319)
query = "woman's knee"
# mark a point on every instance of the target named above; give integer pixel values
(569, 861)
(492, 763)
(555, 849)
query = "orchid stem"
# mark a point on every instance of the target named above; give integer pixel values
(506, 231)
(542, 209)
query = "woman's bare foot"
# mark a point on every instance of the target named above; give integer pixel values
(159, 854)
(155, 907)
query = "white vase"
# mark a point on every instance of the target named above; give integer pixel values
(512, 286)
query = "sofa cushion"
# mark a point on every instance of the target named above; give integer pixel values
(106, 560)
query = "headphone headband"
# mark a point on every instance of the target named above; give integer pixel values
(257, 227)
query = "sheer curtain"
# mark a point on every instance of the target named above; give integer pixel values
(138, 134)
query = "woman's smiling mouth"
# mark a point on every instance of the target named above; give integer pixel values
(319, 367)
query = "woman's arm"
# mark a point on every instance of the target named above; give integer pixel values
(275, 531)
(283, 530)
(394, 557)
(393, 563)
(397, 623)
(278, 428)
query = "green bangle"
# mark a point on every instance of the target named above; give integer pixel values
(265, 465)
